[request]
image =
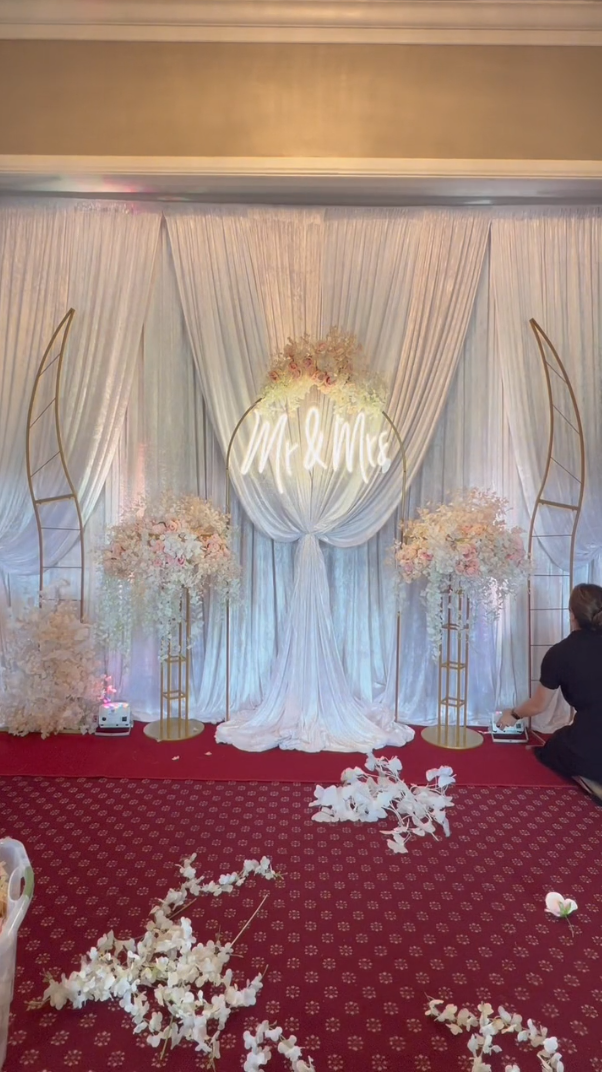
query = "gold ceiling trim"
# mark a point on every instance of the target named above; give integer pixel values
(417, 22)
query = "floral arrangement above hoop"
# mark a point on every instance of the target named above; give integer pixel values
(336, 365)
(155, 554)
(465, 547)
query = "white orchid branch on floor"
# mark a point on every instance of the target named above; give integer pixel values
(366, 796)
(487, 1025)
(261, 1043)
(191, 986)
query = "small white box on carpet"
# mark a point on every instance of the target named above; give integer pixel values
(516, 734)
(114, 718)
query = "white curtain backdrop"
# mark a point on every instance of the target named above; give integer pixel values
(97, 259)
(548, 266)
(484, 407)
(249, 279)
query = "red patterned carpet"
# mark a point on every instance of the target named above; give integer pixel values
(355, 937)
(201, 759)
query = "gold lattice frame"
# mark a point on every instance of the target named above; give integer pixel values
(51, 366)
(555, 374)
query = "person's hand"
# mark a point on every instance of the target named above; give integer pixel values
(507, 719)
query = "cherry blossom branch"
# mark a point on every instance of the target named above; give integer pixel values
(488, 1025)
(372, 794)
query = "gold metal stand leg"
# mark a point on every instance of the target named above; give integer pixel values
(452, 730)
(174, 723)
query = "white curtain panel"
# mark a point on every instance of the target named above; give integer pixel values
(248, 280)
(548, 266)
(97, 259)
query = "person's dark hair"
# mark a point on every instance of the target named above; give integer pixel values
(585, 605)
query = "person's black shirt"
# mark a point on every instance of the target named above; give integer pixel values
(575, 666)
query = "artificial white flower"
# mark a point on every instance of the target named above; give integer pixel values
(369, 797)
(51, 678)
(489, 1024)
(156, 552)
(464, 547)
(559, 906)
(190, 980)
(260, 1054)
(335, 365)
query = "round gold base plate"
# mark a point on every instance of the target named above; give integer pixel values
(159, 731)
(459, 738)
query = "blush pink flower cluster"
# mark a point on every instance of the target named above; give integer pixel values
(335, 365)
(464, 546)
(158, 551)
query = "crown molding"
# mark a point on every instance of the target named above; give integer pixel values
(418, 22)
(315, 180)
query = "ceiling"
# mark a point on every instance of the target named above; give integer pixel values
(384, 182)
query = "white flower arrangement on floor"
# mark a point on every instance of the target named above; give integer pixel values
(51, 678)
(465, 547)
(373, 794)
(335, 365)
(176, 970)
(488, 1025)
(155, 554)
(260, 1044)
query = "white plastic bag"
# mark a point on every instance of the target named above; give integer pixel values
(20, 892)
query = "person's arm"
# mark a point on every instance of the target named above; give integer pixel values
(538, 703)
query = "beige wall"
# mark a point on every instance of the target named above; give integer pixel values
(147, 99)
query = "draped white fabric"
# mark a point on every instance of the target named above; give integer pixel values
(97, 259)
(249, 280)
(548, 267)
(307, 269)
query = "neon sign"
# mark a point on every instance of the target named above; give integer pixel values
(352, 446)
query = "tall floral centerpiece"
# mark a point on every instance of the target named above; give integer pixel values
(158, 564)
(468, 557)
(336, 365)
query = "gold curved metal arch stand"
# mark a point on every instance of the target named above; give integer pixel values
(562, 490)
(45, 459)
(401, 516)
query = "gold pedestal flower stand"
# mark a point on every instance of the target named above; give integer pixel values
(452, 730)
(174, 723)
